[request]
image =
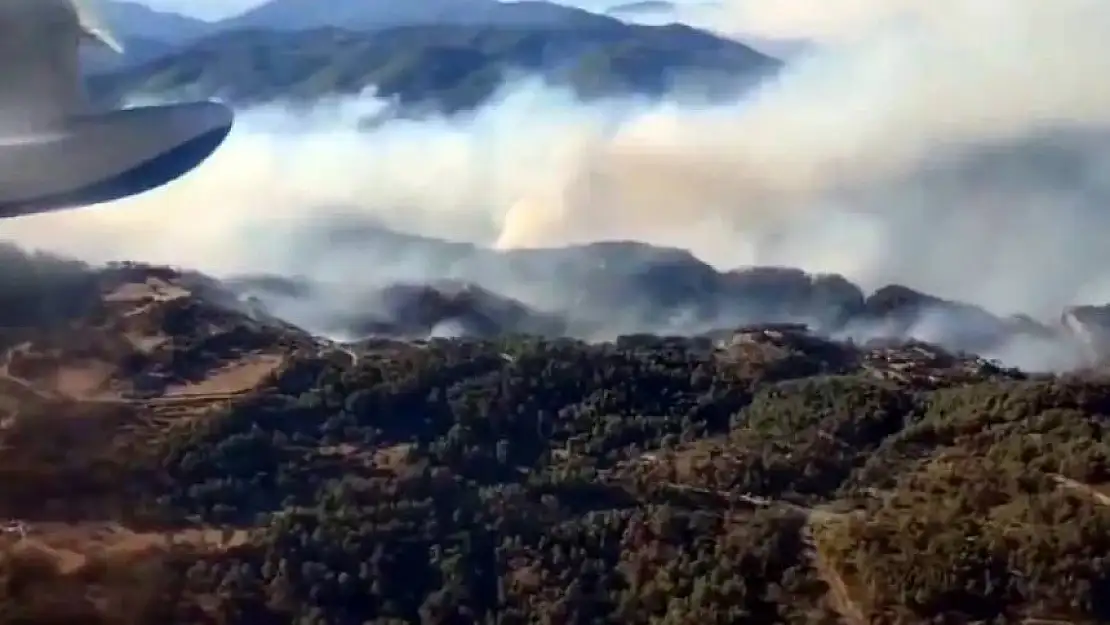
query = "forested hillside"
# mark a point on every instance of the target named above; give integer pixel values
(764, 474)
(448, 67)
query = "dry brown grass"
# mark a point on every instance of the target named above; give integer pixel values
(74, 545)
(839, 597)
(392, 458)
(235, 377)
(153, 290)
(105, 573)
(77, 449)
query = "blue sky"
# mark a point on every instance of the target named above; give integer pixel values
(203, 8)
(215, 9)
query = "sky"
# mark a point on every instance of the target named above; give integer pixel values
(217, 9)
(208, 9)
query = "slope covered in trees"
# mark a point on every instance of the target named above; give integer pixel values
(438, 67)
(770, 476)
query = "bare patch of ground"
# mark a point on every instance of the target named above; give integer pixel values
(73, 546)
(237, 377)
(87, 379)
(839, 597)
(392, 458)
(153, 290)
(52, 376)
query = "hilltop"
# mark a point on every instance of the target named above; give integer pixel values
(132, 19)
(438, 67)
(174, 452)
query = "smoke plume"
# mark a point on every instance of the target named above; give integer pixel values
(960, 148)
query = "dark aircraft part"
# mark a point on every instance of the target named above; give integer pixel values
(100, 158)
(54, 152)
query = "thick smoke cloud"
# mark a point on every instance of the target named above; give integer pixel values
(880, 130)
(283, 168)
(960, 148)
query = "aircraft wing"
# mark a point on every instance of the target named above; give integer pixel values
(40, 75)
(93, 27)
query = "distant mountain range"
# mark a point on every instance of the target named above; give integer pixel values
(131, 20)
(134, 20)
(420, 56)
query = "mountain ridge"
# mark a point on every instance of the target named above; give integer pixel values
(449, 67)
(425, 62)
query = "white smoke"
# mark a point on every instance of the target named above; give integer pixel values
(241, 209)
